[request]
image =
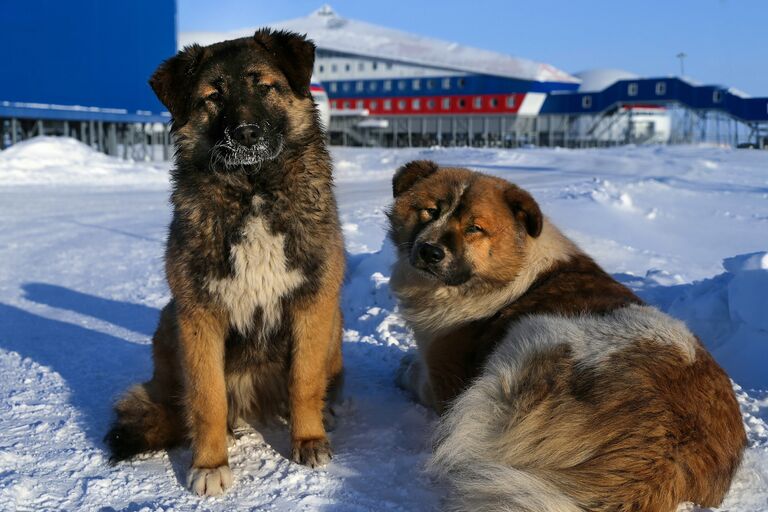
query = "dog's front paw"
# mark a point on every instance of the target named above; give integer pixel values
(311, 452)
(209, 481)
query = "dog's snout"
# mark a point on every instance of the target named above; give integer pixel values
(246, 134)
(431, 253)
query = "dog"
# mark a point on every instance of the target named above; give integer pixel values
(254, 260)
(559, 390)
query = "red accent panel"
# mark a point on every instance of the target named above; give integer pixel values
(425, 105)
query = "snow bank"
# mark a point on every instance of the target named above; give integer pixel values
(729, 312)
(66, 161)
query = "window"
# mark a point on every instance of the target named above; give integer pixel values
(347, 104)
(446, 83)
(321, 68)
(359, 105)
(494, 102)
(430, 84)
(373, 86)
(389, 65)
(416, 104)
(334, 68)
(346, 67)
(431, 104)
(334, 104)
(586, 102)
(462, 103)
(387, 85)
(333, 87)
(717, 96)
(374, 105)
(361, 66)
(477, 102)
(510, 102)
(416, 84)
(446, 103)
(460, 83)
(360, 86)
(401, 85)
(661, 88)
(374, 66)
(346, 86)
(387, 104)
(401, 105)
(632, 89)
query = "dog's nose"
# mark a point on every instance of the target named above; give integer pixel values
(246, 134)
(431, 253)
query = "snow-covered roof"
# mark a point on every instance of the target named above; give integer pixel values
(330, 31)
(596, 80)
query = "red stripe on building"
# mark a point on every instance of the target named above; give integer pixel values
(425, 105)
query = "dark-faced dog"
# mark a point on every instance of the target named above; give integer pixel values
(560, 390)
(254, 260)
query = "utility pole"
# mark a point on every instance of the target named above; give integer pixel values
(682, 56)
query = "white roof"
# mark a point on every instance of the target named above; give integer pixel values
(596, 80)
(330, 31)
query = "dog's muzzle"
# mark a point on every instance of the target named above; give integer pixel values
(247, 144)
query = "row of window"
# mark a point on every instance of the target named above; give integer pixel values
(347, 67)
(401, 85)
(633, 88)
(477, 102)
(660, 88)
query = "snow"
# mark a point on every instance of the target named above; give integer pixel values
(332, 32)
(81, 284)
(596, 80)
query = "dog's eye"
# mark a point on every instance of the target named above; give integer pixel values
(214, 97)
(428, 214)
(266, 87)
(474, 228)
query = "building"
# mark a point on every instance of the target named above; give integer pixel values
(80, 68)
(391, 88)
(388, 87)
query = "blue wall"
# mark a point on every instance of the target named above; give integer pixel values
(94, 53)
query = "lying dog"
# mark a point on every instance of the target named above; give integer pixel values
(254, 260)
(560, 390)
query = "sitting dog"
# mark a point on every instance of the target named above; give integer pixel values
(559, 389)
(254, 260)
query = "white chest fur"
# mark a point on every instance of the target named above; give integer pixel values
(261, 277)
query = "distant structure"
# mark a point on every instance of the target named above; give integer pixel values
(391, 88)
(634, 123)
(80, 68)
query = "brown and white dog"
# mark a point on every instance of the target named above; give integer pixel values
(559, 389)
(254, 261)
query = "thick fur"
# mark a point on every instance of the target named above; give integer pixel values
(254, 260)
(560, 391)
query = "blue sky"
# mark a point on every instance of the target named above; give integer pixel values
(726, 40)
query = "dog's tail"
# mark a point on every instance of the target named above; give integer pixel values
(144, 423)
(149, 415)
(467, 457)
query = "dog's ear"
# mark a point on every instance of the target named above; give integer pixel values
(172, 78)
(525, 208)
(293, 53)
(410, 173)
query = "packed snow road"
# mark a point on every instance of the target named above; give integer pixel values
(81, 285)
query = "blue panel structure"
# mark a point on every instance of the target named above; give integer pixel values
(84, 59)
(658, 91)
